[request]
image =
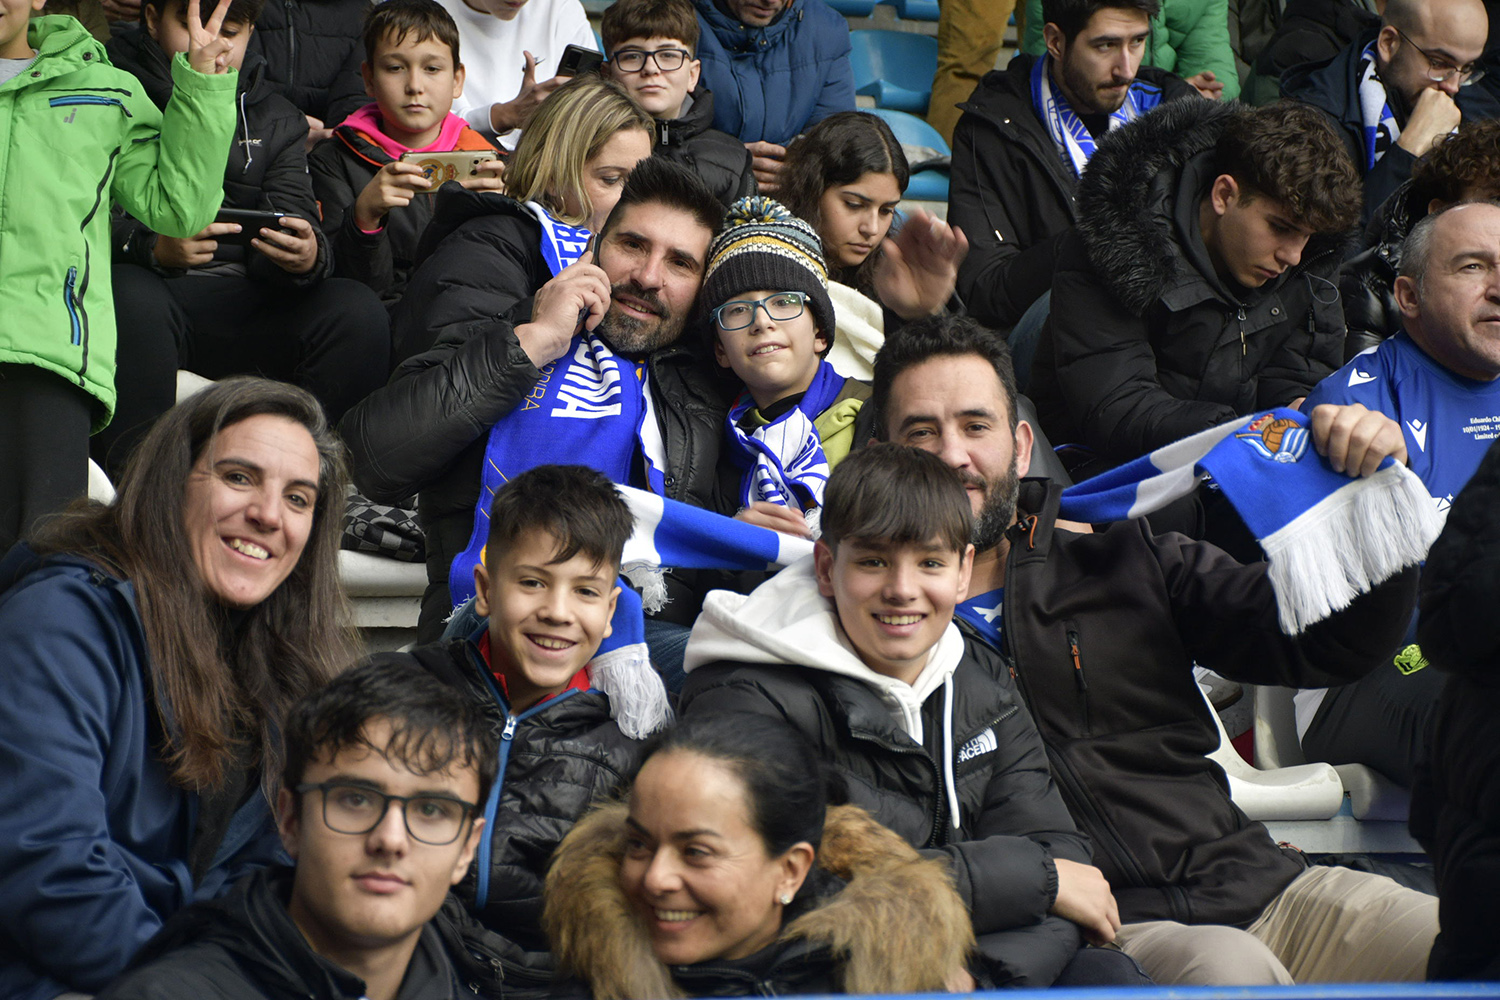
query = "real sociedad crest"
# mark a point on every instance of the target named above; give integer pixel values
(1278, 439)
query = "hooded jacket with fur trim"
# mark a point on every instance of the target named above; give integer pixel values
(952, 763)
(1146, 344)
(874, 916)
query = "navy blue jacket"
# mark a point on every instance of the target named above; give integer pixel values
(772, 83)
(94, 836)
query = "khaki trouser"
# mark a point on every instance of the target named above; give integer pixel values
(1330, 925)
(969, 35)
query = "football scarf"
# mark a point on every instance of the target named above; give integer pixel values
(1068, 132)
(1380, 128)
(783, 461)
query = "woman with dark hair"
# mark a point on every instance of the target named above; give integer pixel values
(845, 177)
(151, 648)
(726, 873)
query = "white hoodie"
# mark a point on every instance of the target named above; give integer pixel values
(786, 621)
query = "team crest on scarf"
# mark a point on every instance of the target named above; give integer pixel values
(1068, 132)
(1275, 438)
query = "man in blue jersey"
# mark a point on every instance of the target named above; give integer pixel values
(1439, 378)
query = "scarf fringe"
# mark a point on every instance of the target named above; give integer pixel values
(1347, 543)
(637, 699)
(651, 581)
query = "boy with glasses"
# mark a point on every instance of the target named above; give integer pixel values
(384, 770)
(650, 46)
(772, 324)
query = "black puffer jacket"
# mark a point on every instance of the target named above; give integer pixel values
(1455, 806)
(557, 759)
(341, 167)
(1333, 86)
(480, 255)
(1104, 630)
(314, 48)
(1012, 820)
(1012, 194)
(1367, 281)
(267, 167)
(426, 431)
(719, 159)
(1314, 31)
(1145, 343)
(245, 946)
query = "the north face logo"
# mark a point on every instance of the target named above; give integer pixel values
(983, 743)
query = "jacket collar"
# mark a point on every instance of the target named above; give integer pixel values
(698, 119)
(737, 37)
(1141, 194)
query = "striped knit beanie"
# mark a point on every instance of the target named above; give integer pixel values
(764, 246)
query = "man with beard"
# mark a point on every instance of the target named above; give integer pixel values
(1025, 136)
(1394, 94)
(590, 371)
(1101, 632)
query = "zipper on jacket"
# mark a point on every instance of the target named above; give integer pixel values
(1081, 681)
(70, 283)
(935, 838)
(291, 42)
(1103, 835)
(73, 100)
(1244, 348)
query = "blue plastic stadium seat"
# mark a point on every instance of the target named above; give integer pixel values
(914, 10)
(853, 8)
(913, 133)
(894, 67)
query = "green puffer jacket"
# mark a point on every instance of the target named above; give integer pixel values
(1187, 37)
(75, 134)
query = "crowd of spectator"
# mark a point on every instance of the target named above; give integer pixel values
(819, 585)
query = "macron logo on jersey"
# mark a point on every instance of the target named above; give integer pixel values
(1419, 432)
(982, 744)
(1357, 377)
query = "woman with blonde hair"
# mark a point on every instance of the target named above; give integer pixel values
(483, 252)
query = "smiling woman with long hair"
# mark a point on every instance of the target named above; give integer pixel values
(726, 872)
(151, 648)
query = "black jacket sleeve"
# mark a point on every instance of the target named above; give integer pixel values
(406, 434)
(1367, 289)
(287, 188)
(1106, 369)
(346, 94)
(1225, 612)
(364, 257)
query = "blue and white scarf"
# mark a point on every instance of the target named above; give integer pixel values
(1380, 128)
(783, 460)
(1071, 136)
(590, 406)
(1327, 538)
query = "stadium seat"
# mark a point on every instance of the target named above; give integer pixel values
(922, 144)
(853, 8)
(914, 10)
(894, 67)
(1304, 792)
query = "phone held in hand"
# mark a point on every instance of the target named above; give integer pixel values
(439, 168)
(250, 220)
(577, 60)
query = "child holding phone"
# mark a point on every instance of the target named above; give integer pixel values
(217, 309)
(369, 177)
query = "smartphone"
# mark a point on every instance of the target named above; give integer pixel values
(251, 222)
(442, 167)
(577, 60)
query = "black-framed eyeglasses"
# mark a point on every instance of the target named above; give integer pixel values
(634, 60)
(357, 809)
(1440, 70)
(736, 314)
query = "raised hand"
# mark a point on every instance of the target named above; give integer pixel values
(580, 291)
(918, 268)
(515, 112)
(207, 52)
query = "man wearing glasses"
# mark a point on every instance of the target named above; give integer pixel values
(650, 46)
(384, 770)
(1393, 94)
